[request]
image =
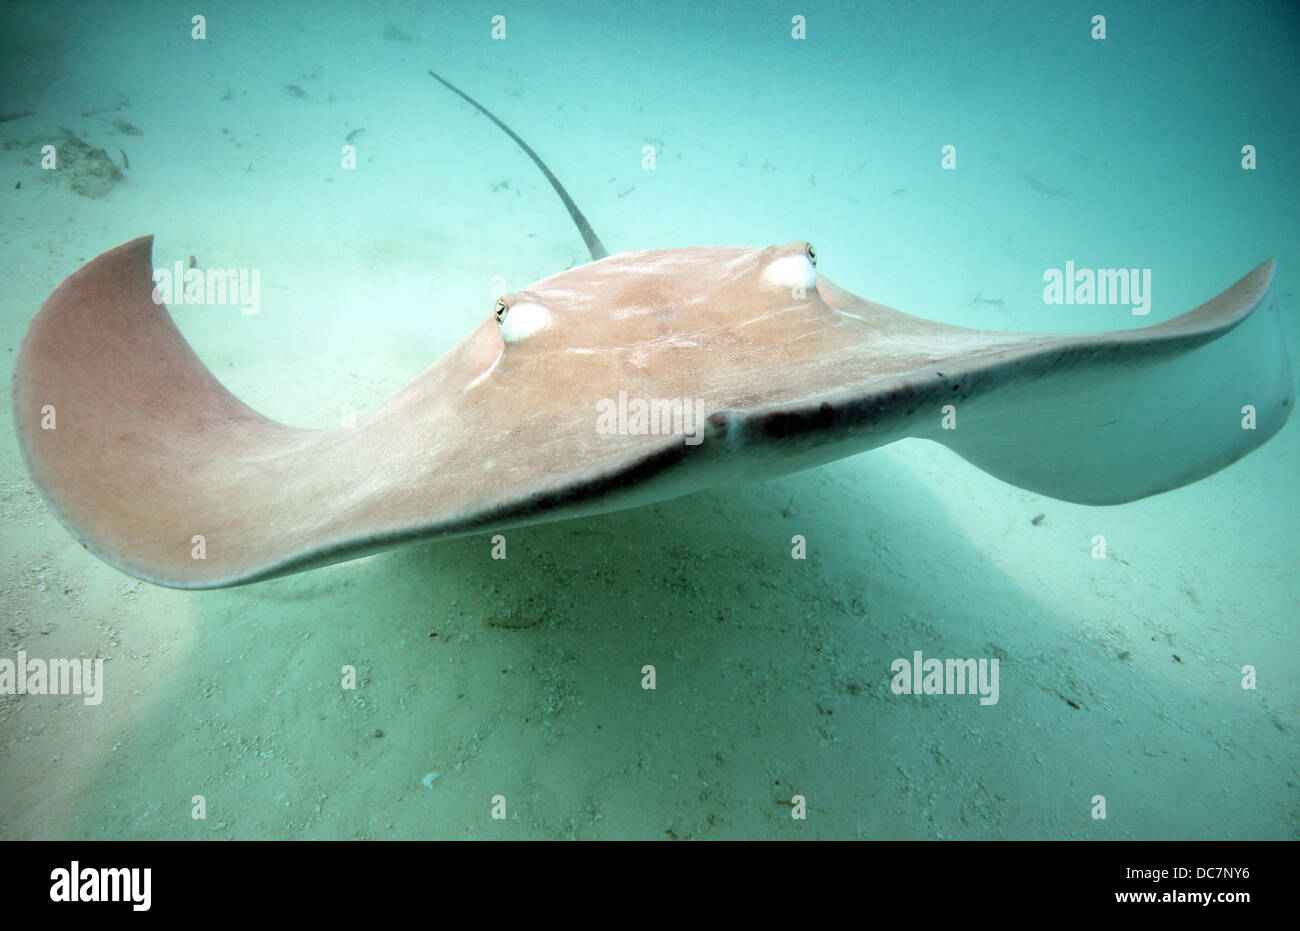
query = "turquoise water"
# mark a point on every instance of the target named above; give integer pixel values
(1120, 678)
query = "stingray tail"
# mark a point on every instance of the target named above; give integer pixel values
(1112, 418)
(594, 245)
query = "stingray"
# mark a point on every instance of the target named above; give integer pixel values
(631, 379)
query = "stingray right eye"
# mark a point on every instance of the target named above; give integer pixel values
(501, 311)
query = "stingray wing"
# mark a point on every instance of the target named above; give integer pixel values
(1102, 418)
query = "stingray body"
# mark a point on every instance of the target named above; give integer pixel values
(159, 470)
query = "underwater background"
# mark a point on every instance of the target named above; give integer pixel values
(522, 678)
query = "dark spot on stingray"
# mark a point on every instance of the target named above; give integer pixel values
(1038, 520)
(17, 185)
(1072, 703)
(295, 91)
(785, 423)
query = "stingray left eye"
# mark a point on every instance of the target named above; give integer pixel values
(501, 311)
(812, 254)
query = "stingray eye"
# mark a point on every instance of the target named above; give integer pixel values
(501, 311)
(812, 254)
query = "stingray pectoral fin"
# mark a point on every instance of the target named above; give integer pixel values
(160, 471)
(1112, 417)
(137, 448)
